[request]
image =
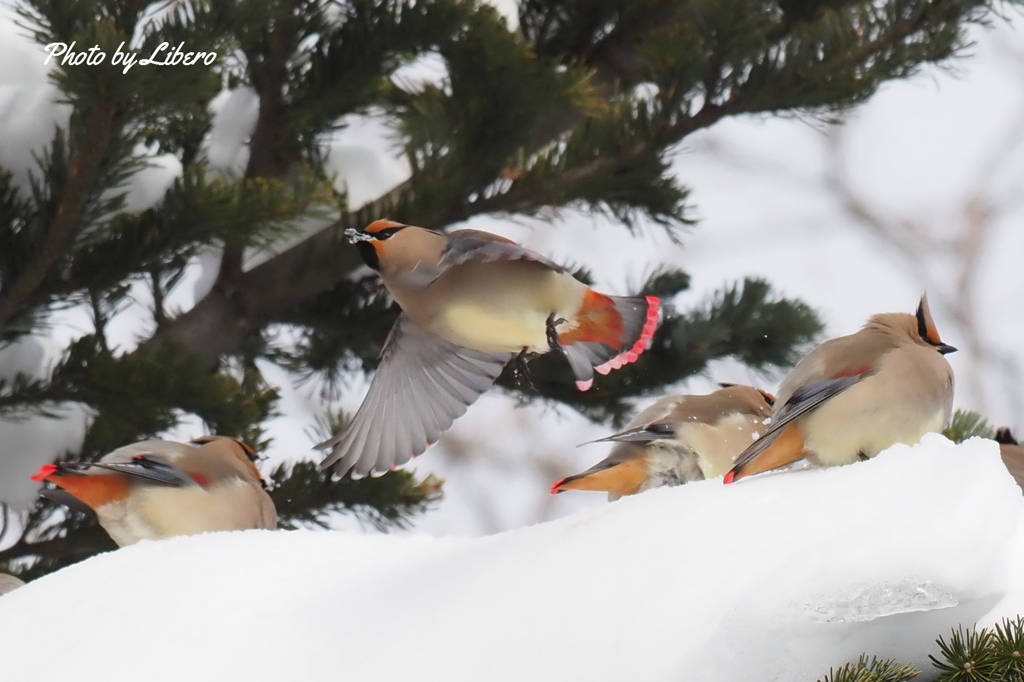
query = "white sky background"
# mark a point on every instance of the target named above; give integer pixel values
(934, 167)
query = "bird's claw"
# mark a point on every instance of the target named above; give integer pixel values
(521, 370)
(552, 334)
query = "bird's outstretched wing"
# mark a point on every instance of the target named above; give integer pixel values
(476, 246)
(423, 384)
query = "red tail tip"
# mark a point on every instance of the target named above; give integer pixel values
(729, 477)
(646, 334)
(554, 486)
(44, 472)
(650, 326)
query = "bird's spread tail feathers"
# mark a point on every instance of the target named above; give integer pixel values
(612, 331)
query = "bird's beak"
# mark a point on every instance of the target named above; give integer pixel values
(945, 348)
(355, 235)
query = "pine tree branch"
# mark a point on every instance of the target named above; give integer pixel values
(80, 544)
(67, 218)
(219, 324)
(265, 153)
(265, 144)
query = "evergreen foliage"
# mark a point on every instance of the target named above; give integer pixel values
(984, 655)
(578, 109)
(966, 424)
(874, 670)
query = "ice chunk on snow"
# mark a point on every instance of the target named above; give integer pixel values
(868, 602)
(703, 582)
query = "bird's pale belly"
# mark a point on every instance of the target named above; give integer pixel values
(866, 438)
(492, 328)
(502, 307)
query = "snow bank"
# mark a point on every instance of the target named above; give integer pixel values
(777, 577)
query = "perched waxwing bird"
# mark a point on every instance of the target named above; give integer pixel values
(1012, 454)
(676, 440)
(157, 489)
(854, 396)
(9, 583)
(471, 302)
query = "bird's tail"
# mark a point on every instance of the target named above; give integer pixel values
(619, 478)
(611, 331)
(93, 490)
(577, 482)
(47, 471)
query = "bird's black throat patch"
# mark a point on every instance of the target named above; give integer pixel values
(368, 254)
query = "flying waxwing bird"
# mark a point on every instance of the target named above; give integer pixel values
(157, 489)
(9, 583)
(676, 440)
(1012, 454)
(854, 396)
(471, 302)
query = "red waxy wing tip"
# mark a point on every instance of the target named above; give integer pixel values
(854, 372)
(554, 486)
(729, 477)
(44, 472)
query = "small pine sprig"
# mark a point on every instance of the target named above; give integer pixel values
(968, 656)
(874, 670)
(1008, 649)
(304, 497)
(980, 655)
(966, 424)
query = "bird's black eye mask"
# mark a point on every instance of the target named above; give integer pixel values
(387, 233)
(922, 325)
(368, 254)
(923, 332)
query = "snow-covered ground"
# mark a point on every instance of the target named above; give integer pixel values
(777, 577)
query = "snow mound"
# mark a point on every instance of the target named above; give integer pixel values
(774, 578)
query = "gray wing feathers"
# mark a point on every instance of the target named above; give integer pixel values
(800, 403)
(810, 396)
(584, 356)
(422, 385)
(150, 468)
(476, 246)
(642, 434)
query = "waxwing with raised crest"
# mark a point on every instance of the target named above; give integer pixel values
(471, 301)
(156, 489)
(854, 396)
